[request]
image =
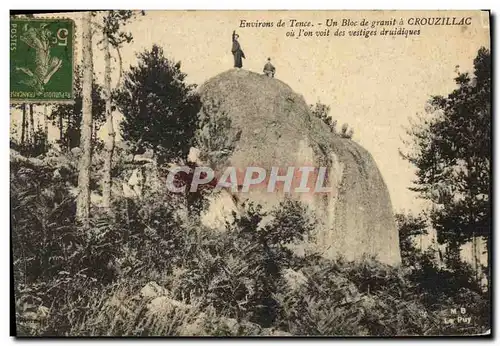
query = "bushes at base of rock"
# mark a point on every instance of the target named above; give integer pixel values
(244, 281)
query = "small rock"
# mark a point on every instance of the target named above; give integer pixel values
(231, 323)
(197, 328)
(241, 328)
(275, 332)
(160, 304)
(43, 311)
(294, 279)
(153, 290)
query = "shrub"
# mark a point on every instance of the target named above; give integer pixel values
(245, 280)
(238, 271)
(57, 264)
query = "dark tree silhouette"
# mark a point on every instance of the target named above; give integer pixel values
(452, 154)
(322, 112)
(409, 226)
(159, 108)
(68, 117)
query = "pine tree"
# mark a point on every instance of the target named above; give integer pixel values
(159, 108)
(452, 154)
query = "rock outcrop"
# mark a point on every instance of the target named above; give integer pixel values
(275, 128)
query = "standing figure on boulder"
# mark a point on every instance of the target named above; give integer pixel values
(237, 52)
(269, 69)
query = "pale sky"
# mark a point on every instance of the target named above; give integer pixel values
(374, 84)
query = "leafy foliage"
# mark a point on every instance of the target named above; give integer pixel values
(159, 108)
(68, 117)
(425, 269)
(239, 271)
(244, 280)
(38, 145)
(322, 112)
(452, 154)
(111, 26)
(56, 265)
(409, 226)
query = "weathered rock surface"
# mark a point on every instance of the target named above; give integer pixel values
(276, 129)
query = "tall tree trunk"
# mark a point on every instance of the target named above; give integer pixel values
(23, 125)
(109, 145)
(70, 133)
(94, 133)
(61, 132)
(83, 201)
(471, 168)
(476, 246)
(453, 254)
(32, 125)
(489, 250)
(473, 252)
(46, 127)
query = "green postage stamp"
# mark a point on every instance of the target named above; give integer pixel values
(41, 60)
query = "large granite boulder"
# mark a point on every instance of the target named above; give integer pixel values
(272, 126)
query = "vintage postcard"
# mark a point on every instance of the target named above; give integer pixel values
(251, 173)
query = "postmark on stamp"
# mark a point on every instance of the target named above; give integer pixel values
(41, 60)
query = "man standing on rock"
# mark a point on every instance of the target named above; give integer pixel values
(237, 52)
(269, 69)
